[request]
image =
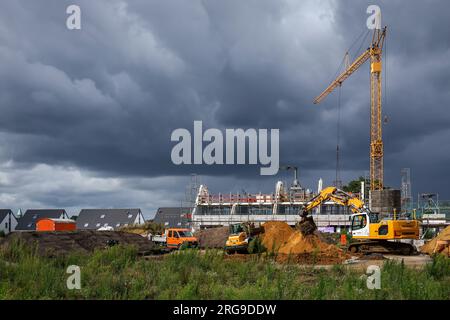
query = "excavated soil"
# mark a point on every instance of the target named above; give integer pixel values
(276, 234)
(63, 243)
(213, 237)
(430, 246)
(291, 245)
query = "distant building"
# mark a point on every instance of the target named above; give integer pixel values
(94, 219)
(173, 217)
(28, 221)
(8, 222)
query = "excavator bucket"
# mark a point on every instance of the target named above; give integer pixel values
(306, 226)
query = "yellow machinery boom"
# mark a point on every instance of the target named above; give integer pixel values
(338, 196)
(374, 52)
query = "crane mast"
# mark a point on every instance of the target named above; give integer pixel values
(374, 52)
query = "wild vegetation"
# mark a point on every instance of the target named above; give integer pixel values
(118, 273)
(147, 227)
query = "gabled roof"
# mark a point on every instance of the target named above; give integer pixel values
(31, 216)
(4, 213)
(92, 219)
(173, 217)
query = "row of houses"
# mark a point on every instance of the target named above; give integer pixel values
(94, 219)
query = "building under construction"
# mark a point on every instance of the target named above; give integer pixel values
(285, 204)
(282, 205)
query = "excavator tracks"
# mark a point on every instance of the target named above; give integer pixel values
(382, 246)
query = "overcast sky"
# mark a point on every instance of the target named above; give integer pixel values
(86, 115)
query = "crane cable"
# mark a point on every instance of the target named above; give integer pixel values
(385, 75)
(339, 69)
(338, 125)
(338, 141)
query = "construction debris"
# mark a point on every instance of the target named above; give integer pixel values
(63, 243)
(439, 244)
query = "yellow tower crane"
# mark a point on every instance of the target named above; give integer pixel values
(374, 52)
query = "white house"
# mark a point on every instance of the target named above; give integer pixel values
(8, 221)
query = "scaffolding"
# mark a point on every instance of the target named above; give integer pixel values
(190, 194)
(406, 194)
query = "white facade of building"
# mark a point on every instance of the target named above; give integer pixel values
(8, 223)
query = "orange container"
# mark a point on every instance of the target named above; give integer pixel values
(47, 224)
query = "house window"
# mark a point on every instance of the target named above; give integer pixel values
(6, 225)
(97, 225)
(86, 225)
(102, 216)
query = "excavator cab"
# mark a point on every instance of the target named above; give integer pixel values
(235, 229)
(360, 225)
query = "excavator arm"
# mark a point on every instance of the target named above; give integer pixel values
(307, 226)
(336, 195)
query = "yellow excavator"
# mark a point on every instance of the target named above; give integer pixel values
(241, 234)
(374, 234)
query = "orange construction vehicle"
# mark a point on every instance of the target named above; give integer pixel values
(176, 238)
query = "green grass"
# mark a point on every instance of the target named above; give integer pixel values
(117, 273)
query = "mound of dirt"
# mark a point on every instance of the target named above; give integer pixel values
(281, 238)
(63, 243)
(437, 244)
(276, 235)
(212, 237)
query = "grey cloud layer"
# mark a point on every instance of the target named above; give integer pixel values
(105, 99)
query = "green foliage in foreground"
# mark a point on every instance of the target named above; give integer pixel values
(117, 273)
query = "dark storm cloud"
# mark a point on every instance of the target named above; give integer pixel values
(106, 98)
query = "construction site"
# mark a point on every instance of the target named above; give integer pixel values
(292, 242)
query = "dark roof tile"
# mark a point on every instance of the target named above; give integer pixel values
(173, 217)
(92, 219)
(28, 221)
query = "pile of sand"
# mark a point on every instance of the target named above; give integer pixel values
(281, 238)
(213, 237)
(275, 235)
(430, 246)
(86, 241)
(298, 243)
